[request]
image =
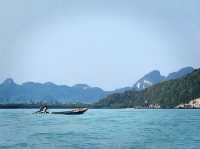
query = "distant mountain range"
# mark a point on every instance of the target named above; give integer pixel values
(155, 77)
(31, 92)
(10, 92)
(167, 94)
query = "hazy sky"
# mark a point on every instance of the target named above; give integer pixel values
(105, 43)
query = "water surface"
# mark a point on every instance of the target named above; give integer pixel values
(97, 129)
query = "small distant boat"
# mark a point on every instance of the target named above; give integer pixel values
(76, 111)
(72, 112)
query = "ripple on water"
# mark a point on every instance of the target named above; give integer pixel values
(124, 128)
(14, 146)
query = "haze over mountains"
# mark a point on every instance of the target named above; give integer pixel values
(167, 94)
(155, 77)
(49, 92)
(31, 92)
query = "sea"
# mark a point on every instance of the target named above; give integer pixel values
(101, 129)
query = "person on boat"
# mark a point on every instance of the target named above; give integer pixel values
(43, 109)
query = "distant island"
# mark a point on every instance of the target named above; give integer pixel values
(151, 91)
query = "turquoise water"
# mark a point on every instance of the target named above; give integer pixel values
(101, 129)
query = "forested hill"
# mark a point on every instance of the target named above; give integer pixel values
(167, 94)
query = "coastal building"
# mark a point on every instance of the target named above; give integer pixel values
(154, 106)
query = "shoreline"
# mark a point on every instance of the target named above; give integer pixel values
(79, 105)
(64, 107)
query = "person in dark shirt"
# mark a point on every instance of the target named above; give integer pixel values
(43, 109)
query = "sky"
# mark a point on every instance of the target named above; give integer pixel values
(104, 43)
